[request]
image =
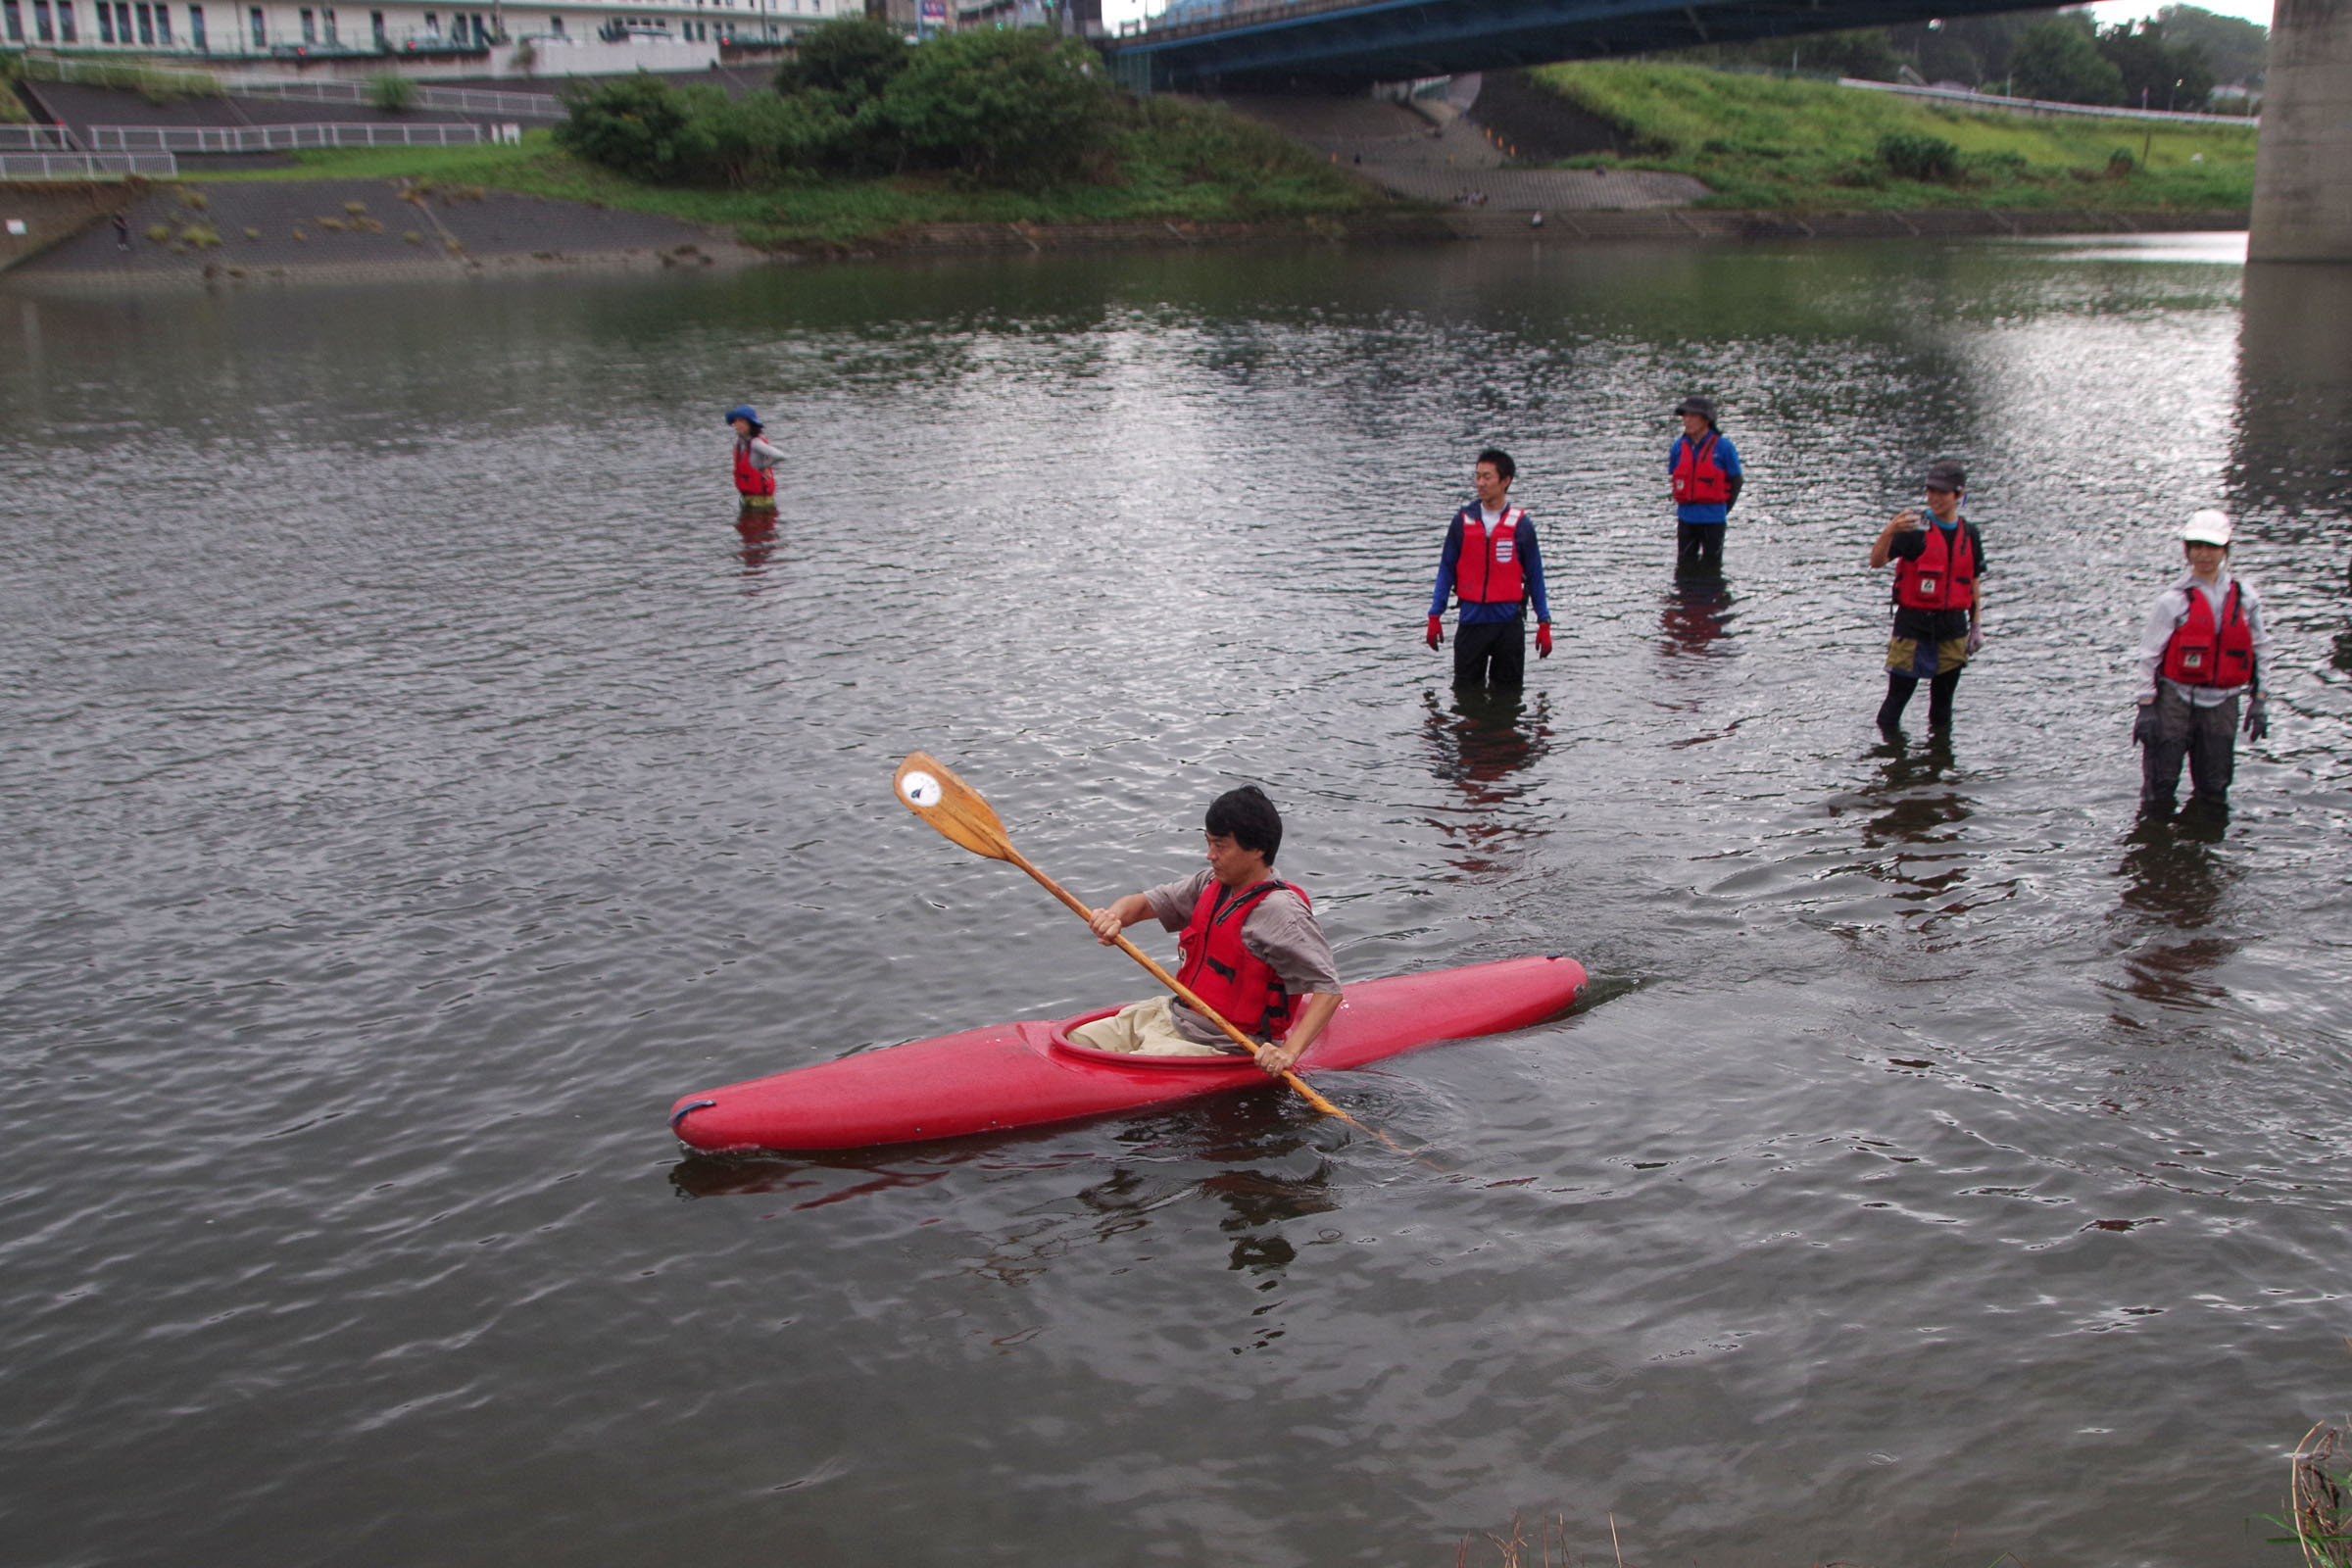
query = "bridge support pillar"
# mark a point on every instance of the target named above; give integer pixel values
(2303, 170)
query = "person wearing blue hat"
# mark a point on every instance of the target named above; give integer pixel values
(754, 460)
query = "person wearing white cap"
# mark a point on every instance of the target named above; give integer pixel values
(2204, 645)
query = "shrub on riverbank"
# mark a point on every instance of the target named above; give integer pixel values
(1020, 108)
(1765, 142)
(1167, 160)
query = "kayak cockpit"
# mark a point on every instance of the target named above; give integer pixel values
(1057, 1035)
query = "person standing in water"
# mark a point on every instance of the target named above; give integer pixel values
(1489, 562)
(1703, 468)
(1939, 599)
(754, 460)
(2204, 645)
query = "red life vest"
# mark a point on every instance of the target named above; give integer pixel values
(1238, 983)
(2201, 653)
(1941, 576)
(1699, 480)
(750, 478)
(1487, 571)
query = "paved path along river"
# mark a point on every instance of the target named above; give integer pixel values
(414, 779)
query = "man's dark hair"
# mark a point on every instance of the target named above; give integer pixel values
(1502, 460)
(1246, 816)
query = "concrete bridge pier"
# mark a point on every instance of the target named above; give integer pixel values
(2303, 170)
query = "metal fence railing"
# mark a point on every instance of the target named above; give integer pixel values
(444, 100)
(1961, 97)
(87, 166)
(34, 139)
(272, 138)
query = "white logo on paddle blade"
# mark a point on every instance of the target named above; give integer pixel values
(920, 789)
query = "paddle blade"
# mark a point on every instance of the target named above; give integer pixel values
(933, 791)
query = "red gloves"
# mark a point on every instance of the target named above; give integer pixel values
(1543, 638)
(1437, 632)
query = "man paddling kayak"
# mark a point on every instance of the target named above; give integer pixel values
(1252, 949)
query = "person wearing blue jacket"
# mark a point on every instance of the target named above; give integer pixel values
(1491, 565)
(1703, 468)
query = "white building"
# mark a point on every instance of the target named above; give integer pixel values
(239, 33)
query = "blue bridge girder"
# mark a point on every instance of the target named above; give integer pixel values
(1400, 40)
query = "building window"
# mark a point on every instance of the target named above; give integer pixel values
(196, 30)
(432, 23)
(555, 26)
(43, 30)
(162, 24)
(12, 23)
(309, 25)
(66, 32)
(106, 23)
(261, 29)
(375, 26)
(121, 21)
(146, 22)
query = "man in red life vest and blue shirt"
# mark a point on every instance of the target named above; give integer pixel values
(1251, 950)
(1939, 598)
(754, 460)
(1490, 563)
(1703, 467)
(2203, 646)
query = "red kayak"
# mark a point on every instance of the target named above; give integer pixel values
(1024, 1074)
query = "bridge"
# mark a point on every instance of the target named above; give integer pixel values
(1335, 45)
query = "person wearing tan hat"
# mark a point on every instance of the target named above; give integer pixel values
(1939, 598)
(2204, 645)
(1702, 469)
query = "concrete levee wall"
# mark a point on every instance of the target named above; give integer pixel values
(2303, 169)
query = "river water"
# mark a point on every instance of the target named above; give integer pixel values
(415, 780)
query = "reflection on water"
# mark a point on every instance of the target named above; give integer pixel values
(2295, 436)
(2174, 879)
(756, 528)
(1481, 742)
(1695, 615)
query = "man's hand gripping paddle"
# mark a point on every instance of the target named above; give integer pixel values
(935, 794)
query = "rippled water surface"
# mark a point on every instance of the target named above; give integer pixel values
(415, 780)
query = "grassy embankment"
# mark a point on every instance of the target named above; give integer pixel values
(1768, 142)
(1174, 162)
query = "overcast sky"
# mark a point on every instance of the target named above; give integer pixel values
(2132, 10)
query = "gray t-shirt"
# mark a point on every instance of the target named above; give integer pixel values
(1278, 929)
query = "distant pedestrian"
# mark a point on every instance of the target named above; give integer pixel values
(1939, 600)
(754, 460)
(2203, 646)
(1489, 562)
(121, 232)
(1703, 468)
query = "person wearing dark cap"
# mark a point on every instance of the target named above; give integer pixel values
(1489, 562)
(754, 460)
(1939, 598)
(2203, 647)
(1703, 468)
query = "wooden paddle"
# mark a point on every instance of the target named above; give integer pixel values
(933, 791)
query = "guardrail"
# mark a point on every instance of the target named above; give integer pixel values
(269, 138)
(447, 100)
(34, 139)
(86, 165)
(2042, 106)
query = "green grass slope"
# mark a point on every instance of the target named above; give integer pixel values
(1176, 161)
(1768, 142)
